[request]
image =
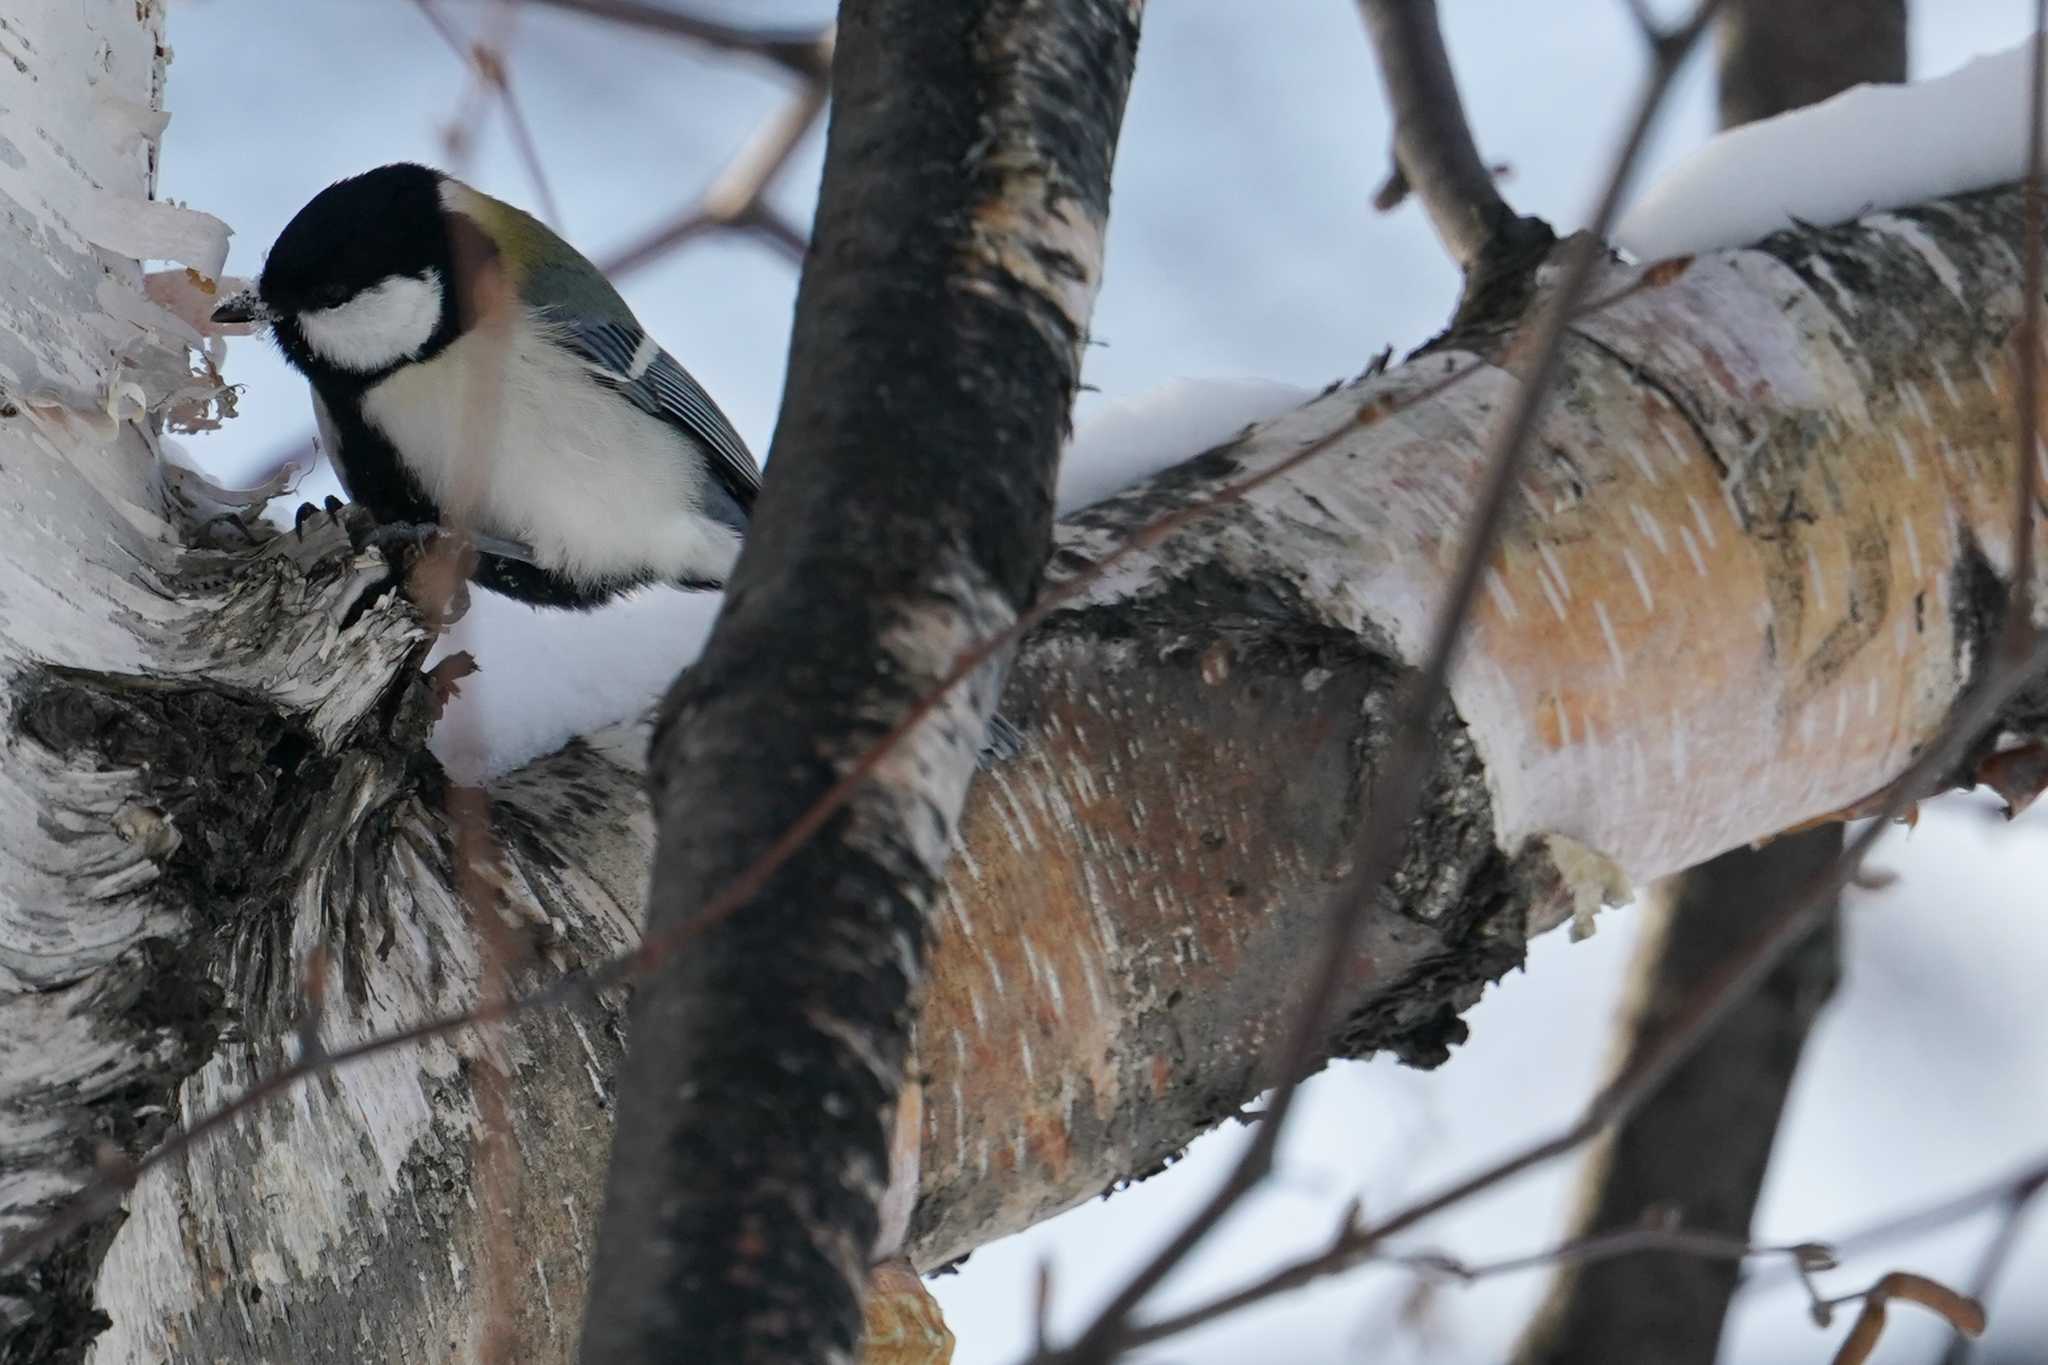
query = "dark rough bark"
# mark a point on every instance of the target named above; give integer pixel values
(1701, 1148)
(937, 344)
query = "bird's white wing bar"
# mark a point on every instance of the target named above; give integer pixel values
(626, 358)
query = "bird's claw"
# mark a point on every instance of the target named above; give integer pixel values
(395, 540)
(233, 521)
(333, 507)
(437, 581)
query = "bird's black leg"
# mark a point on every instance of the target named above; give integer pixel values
(234, 521)
(406, 546)
(395, 540)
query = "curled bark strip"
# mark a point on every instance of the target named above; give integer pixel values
(1962, 1312)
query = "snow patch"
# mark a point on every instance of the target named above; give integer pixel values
(547, 676)
(1871, 148)
(1131, 439)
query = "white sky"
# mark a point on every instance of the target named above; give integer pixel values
(1242, 245)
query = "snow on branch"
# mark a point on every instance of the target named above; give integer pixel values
(1868, 149)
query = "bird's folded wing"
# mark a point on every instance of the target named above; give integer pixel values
(626, 358)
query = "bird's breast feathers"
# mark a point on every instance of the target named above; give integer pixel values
(509, 435)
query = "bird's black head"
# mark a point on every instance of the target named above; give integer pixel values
(360, 281)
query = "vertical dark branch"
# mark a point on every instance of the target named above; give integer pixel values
(1775, 56)
(906, 514)
(1991, 1263)
(1433, 148)
(1700, 1148)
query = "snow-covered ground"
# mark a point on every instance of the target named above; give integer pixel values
(1242, 244)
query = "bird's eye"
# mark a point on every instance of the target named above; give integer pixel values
(330, 296)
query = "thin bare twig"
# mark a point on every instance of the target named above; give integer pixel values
(737, 198)
(1997, 1253)
(804, 52)
(529, 148)
(1931, 1217)
(441, 26)
(1991, 1265)
(1646, 22)
(1605, 1246)
(1433, 148)
(487, 63)
(1398, 792)
(459, 136)
(2015, 1195)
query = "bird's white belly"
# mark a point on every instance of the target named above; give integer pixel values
(510, 436)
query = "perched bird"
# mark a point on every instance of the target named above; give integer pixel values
(469, 366)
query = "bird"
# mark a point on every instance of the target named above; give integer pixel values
(469, 368)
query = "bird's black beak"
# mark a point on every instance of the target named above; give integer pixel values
(246, 306)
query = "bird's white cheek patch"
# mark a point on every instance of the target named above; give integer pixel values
(378, 327)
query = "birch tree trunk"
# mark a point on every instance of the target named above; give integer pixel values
(937, 347)
(1759, 554)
